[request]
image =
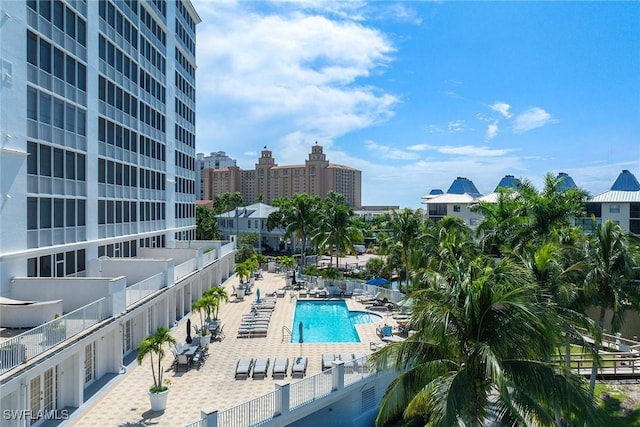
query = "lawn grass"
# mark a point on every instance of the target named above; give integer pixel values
(610, 408)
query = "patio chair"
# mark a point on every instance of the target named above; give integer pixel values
(243, 368)
(327, 360)
(280, 367)
(175, 356)
(183, 360)
(347, 358)
(299, 368)
(360, 362)
(260, 368)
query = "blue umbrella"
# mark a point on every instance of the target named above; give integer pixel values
(378, 281)
(258, 296)
(300, 340)
(300, 328)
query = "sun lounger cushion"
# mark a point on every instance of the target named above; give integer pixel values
(243, 368)
(280, 366)
(260, 368)
(299, 368)
(347, 358)
(327, 360)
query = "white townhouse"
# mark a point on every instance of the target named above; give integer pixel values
(621, 204)
(251, 219)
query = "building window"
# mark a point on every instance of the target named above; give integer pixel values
(456, 208)
(614, 208)
(473, 222)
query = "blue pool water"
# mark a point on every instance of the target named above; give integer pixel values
(328, 321)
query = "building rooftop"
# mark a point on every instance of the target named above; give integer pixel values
(462, 185)
(565, 182)
(626, 181)
(509, 181)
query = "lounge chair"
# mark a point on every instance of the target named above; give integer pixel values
(299, 368)
(243, 368)
(327, 360)
(280, 293)
(347, 358)
(360, 362)
(280, 366)
(260, 368)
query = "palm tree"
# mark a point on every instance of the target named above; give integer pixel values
(154, 345)
(206, 224)
(479, 354)
(336, 228)
(218, 294)
(403, 229)
(612, 255)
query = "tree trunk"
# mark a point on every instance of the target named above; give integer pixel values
(596, 345)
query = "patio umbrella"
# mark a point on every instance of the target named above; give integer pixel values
(378, 281)
(293, 280)
(189, 331)
(258, 296)
(300, 339)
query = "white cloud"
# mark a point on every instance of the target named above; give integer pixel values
(532, 118)
(502, 108)
(296, 76)
(492, 131)
(388, 152)
(433, 129)
(451, 94)
(471, 150)
(456, 126)
(421, 147)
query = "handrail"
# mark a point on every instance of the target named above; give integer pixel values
(286, 331)
(33, 342)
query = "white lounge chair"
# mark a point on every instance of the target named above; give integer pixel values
(299, 368)
(243, 368)
(280, 367)
(260, 368)
(327, 360)
(347, 358)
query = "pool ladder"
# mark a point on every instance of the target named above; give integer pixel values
(286, 332)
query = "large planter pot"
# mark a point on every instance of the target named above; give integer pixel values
(159, 400)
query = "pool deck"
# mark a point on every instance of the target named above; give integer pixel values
(212, 386)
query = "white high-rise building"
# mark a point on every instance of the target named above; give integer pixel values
(97, 132)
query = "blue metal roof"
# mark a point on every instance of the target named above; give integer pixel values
(626, 182)
(462, 185)
(436, 192)
(565, 182)
(508, 182)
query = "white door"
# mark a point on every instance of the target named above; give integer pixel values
(89, 363)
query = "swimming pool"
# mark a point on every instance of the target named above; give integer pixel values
(328, 321)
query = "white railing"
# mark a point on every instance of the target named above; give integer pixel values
(252, 413)
(226, 249)
(184, 269)
(33, 342)
(209, 257)
(310, 389)
(352, 285)
(143, 288)
(265, 409)
(360, 371)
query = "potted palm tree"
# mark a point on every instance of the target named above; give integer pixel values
(154, 345)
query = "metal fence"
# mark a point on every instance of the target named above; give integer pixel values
(29, 344)
(310, 389)
(252, 413)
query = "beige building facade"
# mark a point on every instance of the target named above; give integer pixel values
(268, 181)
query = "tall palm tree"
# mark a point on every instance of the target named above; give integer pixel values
(479, 353)
(612, 254)
(297, 216)
(336, 228)
(403, 229)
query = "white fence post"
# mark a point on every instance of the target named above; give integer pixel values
(282, 401)
(209, 419)
(337, 374)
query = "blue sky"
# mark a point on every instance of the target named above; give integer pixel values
(415, 93)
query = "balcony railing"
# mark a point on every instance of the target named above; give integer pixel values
(144, 288)
(36, 341)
